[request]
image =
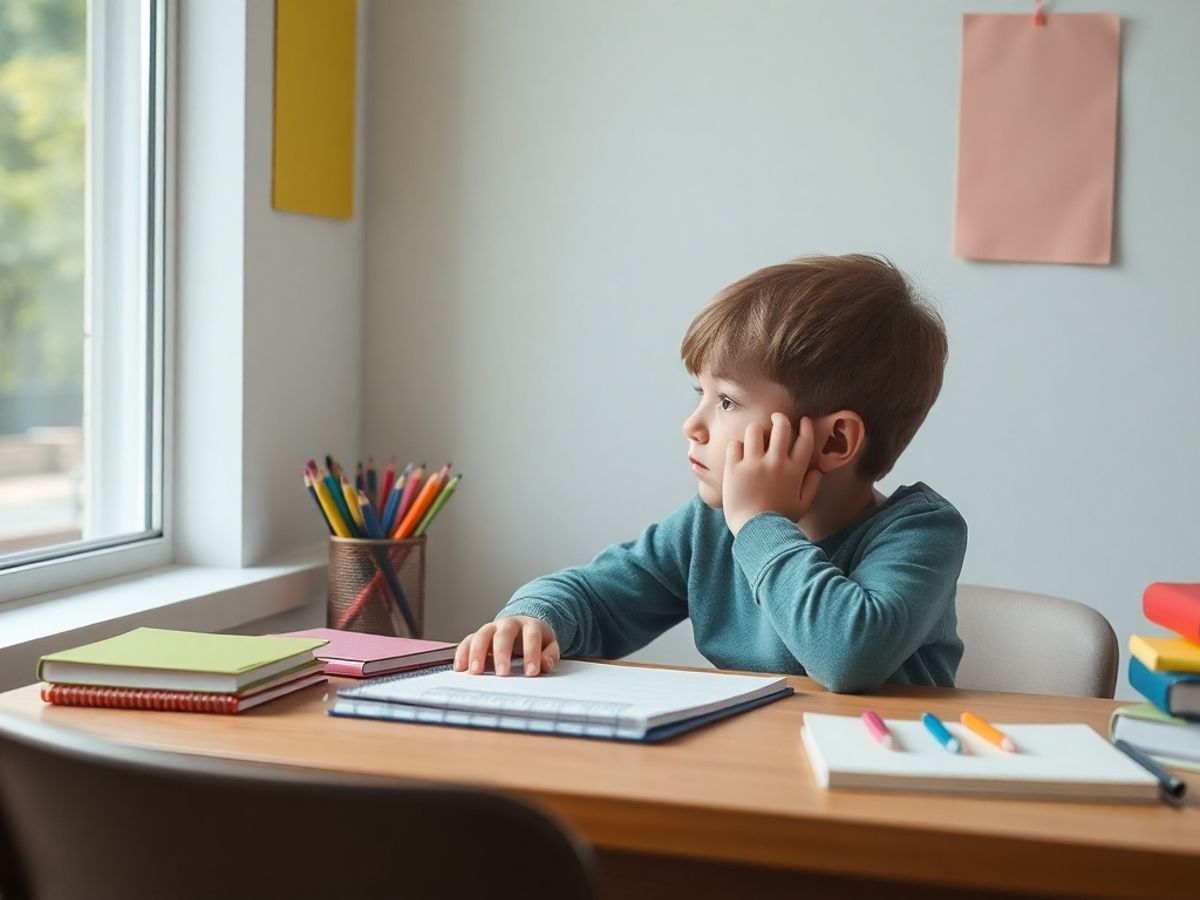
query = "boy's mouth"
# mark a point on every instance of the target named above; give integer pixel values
(697, 466)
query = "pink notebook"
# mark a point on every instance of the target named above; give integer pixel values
(358, 655)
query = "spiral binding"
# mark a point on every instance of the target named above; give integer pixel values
(586, 721)
(395, 676)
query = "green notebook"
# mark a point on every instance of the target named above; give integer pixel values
(157, 658)
(1169, 739)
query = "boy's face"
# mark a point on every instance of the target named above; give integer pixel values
(726, 406)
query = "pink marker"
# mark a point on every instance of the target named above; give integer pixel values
(878, 730)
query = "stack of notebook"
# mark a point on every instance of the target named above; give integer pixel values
(180, 671)
(1166, 671)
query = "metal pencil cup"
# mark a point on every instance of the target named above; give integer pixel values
(377, 587)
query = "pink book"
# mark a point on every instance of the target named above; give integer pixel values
(356, 655)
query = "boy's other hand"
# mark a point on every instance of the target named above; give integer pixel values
(769, 474)
(522, 636)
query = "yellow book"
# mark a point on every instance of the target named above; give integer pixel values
(1166, 654)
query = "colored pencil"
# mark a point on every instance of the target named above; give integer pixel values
(330, 509)
(308, 483)
(393, 503)
(438, 502)
(370, 520)
(387, 483)
(352, 504)
(411, 486)
(878, 730)
(941, 733)
(417, 509)
(988, 732)
(339, 500)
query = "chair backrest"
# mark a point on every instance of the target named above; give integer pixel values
(1034, 643)
(84, 818)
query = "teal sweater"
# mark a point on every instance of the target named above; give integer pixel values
(871, 603)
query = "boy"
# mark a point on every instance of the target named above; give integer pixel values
(813, 376)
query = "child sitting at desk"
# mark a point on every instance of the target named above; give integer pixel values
(813, 376)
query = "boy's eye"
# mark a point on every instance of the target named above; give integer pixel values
(727, 403)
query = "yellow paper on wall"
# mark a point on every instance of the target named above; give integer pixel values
(314, 106)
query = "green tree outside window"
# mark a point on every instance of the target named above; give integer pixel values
(42, 146)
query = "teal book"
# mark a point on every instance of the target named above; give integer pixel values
(1175, 693)
(161, 659)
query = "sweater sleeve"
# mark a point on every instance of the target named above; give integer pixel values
(851, 632)
(620, 601)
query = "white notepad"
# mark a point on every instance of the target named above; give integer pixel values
(1068, 761)
(582, 699)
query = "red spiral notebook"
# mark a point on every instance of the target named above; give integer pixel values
(180, 701)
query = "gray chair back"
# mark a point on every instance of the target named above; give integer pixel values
(1034, 643)
(83, 818)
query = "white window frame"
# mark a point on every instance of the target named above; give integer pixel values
(127, 307)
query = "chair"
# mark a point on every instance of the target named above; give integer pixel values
(1034, 643)
(89, 819)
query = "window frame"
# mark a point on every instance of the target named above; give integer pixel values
(43, 570)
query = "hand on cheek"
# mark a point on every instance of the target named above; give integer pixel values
(769, 474)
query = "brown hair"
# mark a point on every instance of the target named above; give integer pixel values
(839, 332)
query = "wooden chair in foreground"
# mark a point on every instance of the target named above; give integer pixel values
(83, 818)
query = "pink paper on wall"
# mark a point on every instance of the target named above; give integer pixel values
(1037, 138)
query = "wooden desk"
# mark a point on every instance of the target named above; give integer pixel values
(731, 807)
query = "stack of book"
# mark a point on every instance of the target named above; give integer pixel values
(180, 671)
(1166, 671)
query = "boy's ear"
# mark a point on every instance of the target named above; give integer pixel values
(839, 438)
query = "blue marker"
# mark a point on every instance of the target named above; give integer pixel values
(939, 731)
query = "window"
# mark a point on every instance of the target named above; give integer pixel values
(82, 239)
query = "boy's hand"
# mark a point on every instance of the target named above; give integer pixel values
(523, 636)
(771, 478)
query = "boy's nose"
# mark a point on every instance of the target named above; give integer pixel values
(693, 429)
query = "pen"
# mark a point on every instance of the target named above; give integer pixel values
(988, 732)
(1172, 785)
(939, 731)
(878, 730)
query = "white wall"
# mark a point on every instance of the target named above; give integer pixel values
(270, 311)
(555, 189)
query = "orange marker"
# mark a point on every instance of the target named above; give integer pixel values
(413, 516)
(987, 732)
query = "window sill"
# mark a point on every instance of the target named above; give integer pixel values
(185, 597)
